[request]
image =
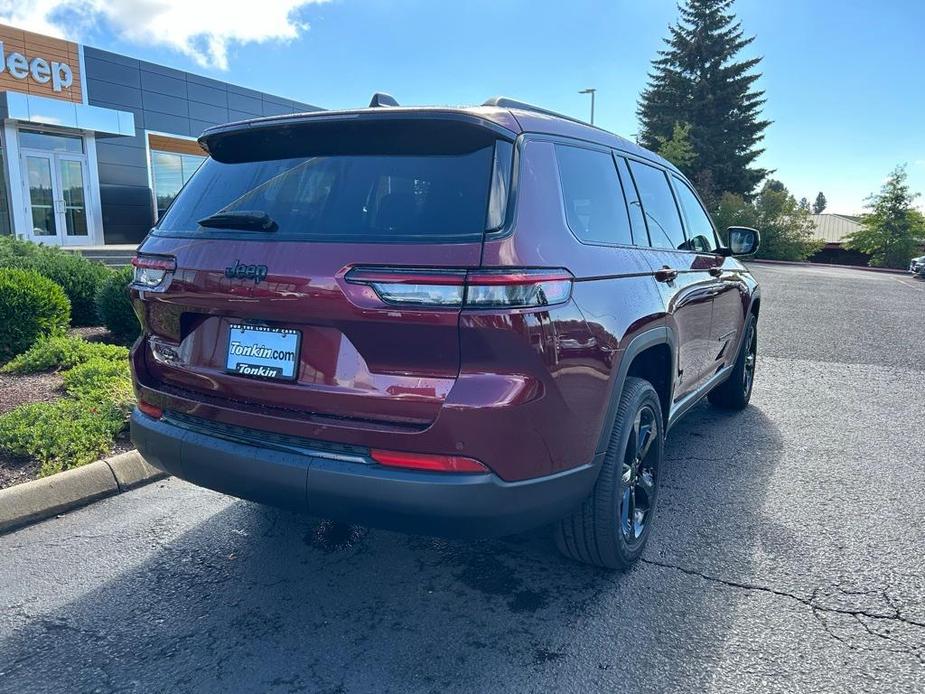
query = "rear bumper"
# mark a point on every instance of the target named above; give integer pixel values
(350, 487)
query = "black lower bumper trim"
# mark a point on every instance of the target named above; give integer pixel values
(474, 505)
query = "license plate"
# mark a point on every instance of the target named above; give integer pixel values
(261, 352)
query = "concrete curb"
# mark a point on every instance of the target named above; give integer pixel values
(33, 501)
(863, 268)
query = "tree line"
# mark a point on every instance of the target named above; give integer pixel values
(702, 111)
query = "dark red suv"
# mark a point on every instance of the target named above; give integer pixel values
(443, 320)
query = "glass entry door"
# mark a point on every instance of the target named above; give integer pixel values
(56, 197)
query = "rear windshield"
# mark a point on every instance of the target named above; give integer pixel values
(356, 197)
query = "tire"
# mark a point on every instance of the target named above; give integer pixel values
(598, 532)
(735, 392)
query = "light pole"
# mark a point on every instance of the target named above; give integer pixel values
(590, 91)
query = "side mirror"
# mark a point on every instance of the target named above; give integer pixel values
(742, 240)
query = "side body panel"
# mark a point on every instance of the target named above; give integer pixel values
(615, 298)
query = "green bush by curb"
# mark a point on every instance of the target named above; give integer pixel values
(82, 426)
(62, 352)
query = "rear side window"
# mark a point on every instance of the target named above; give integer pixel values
(379, 198)
(662, 216)
(594, 206)
(700, 234)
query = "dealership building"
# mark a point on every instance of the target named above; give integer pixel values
(95, 145)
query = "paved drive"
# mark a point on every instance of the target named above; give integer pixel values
(789, 556)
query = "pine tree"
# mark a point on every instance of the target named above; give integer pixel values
(820, 204)
(697, 80)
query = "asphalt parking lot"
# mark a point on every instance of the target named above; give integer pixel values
(789, 555)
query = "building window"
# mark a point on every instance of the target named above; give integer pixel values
(170, 172)
(173, 162)
(53, 142)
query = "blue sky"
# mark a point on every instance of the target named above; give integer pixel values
(845, 80)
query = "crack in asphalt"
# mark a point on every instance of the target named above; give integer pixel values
(809, 602)
(823, 612)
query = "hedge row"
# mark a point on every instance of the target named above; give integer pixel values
(78, 277)
(93, 294)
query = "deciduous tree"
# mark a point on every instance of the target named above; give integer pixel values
(892, 230)
(786, 229)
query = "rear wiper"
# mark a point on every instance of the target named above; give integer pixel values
(251, 220)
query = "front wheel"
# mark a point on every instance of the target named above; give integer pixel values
(611, 527)
(735, 392)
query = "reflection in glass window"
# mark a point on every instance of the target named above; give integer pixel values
(5, 226)
(594, 204)
(662, 216)
(53, 142)
(170, 172)
(700, 235)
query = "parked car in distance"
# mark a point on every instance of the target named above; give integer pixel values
(917, 266)
(460, 321)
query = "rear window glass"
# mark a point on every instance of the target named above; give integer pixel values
(594, 206)
(388, 198)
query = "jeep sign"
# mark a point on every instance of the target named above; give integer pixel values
(41, 70)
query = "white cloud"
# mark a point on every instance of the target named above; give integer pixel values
(201, 29)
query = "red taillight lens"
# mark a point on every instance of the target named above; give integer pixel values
(522, 288)
(426, 461)
(470, 289)
(150, 410)
(152, 270)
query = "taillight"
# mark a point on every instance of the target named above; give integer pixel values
(151, 410)
(521, 288)
(469, 289)
(427, 461)
(151, 271)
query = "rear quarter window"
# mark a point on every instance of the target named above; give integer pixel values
(595, 209)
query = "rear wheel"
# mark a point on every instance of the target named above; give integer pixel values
(611, 527)
(735, 392)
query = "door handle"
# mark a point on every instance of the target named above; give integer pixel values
(666, 274)
(716, 271)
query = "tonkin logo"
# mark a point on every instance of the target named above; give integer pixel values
(258, 273)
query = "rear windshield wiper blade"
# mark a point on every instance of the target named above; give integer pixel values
(251, 220)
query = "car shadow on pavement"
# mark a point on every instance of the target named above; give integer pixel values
(255, 599)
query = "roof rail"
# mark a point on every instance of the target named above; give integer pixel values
(506, 102)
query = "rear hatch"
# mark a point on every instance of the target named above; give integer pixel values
(298, 264)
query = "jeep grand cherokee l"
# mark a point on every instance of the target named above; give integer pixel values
(443, 320)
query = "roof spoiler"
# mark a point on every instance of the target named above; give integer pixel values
(381, 100)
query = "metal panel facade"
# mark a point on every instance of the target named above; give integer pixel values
(162, 100)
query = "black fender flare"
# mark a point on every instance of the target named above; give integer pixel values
(662, 335)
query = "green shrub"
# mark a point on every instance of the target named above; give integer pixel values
(114, 305)
(12, 247)
(30, 306)
(78, 277)
(63, 352)
(101, 380)
(61, 434)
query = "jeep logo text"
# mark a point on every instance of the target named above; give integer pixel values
(258, 273)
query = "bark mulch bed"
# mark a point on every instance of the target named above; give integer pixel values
(19, 389)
